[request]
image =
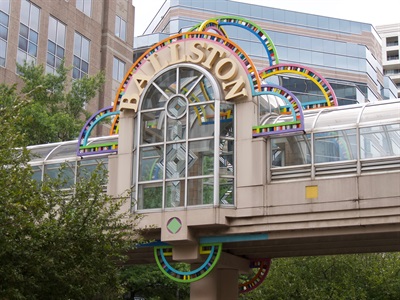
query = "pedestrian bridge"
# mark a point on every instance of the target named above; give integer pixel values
(332, 189)
(230, 169)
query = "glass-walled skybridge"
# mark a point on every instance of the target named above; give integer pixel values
(338, 141)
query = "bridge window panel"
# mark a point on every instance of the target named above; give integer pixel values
(37, 173)
(374, 142)
(152, 127)
(154, 98)
(133, 196)
(329, 120)
(38, 154)
(203, 150)
(87, 166)
(201, 92)
(200, 191)
(394, 136)
(335, 146)
(188, 78)
(226, 157)
(62, 151)
(167, 82)
(150, 195)
(175, 193)
(176, 129)
(290, 151)
(382, 112)
(64, 172)
(268, 105)
(226, 191)
(151, 163)
(176, 160)
(134, 168)
(201, 120)
(226, 120)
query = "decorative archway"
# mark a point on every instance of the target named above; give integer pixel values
(89, 149)
(263, 266)
(213, 251)
(212, 25)
(293, 107)
(248, 25)
(309, 73)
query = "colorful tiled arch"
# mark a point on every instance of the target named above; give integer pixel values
(263, 266)
(213, 251)
(309, 73)
(83, 147)
(293, 107)
(212, 25)
(250, 26)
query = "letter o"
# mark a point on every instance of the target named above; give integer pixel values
(224, 71)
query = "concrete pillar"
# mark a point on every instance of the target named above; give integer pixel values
(220, 284)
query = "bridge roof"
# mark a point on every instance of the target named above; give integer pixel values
(348, 116)
(61, 151)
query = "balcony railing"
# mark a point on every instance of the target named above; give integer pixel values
(392, 57)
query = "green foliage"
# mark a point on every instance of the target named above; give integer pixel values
(358, 276)
(54, 107)
(55, 243)
(149, 282)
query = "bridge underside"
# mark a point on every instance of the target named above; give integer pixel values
(339, 216)
(364, 239)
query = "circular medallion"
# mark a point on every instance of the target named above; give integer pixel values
(177, 106)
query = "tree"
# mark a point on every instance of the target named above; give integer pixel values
(149, 282)
(356, 276)
(54, 110)
(55, 243)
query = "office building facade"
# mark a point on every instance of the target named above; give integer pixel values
(90, 36)
(347, 53)
(390, 35)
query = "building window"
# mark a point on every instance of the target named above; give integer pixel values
(55, 45)
(184, 157)
(4, 19)
(84, 6)
(392, 41)
(120, 28)
(392, 55)
(28, 33)
(81, 56)
(118, 69)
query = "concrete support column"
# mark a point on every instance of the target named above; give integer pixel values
(220, 284)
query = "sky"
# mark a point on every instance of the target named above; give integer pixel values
(379, 12)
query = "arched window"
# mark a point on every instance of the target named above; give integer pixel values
(185, 141)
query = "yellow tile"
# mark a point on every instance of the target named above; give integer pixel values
(312, 191)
